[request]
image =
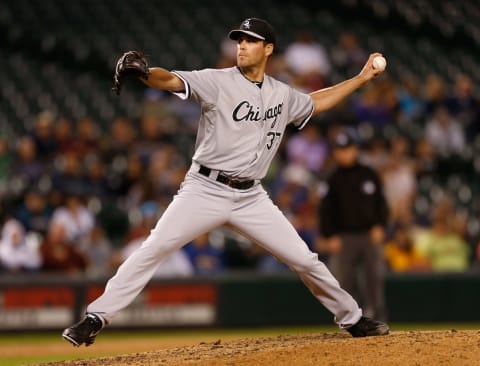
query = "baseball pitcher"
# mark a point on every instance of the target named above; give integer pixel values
(244, 114)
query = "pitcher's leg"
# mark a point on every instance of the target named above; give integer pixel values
(191, 214)
(263, 222)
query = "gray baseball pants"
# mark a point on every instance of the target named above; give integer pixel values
(203, 204)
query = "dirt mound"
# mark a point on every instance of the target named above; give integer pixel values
(399, 348)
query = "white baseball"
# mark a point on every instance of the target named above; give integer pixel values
(379, 62)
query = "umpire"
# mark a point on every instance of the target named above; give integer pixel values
(353, 214)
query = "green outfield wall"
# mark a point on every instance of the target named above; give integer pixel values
(238, 299)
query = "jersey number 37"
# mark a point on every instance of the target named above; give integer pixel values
(272, 136)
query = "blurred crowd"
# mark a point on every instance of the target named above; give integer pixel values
(79, 198)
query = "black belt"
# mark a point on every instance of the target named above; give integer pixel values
(238, 184)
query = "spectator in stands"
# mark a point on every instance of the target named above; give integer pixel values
(285, 200)
(26, 167)
(348, 55)
(58, 255)
(165, 172)
(182, 116)
(342, 115)
(228, 54)
(87, 139)
(116, 147)
(374, 105)
(143, 219)
(205, 258)
(375, 154)
(445, 134)
(410, 102)
(459, 225)
(117, 143)
(434, 92)
(308, 148)
(150, 138)
(138, 186)
(69, 174)
(6, 158)
(73, 217)
(440, 244)
(398, 176)
(425, 158)
(43, 136)
(461, 101)
(34, 212)
(96, 181)
(126, 171)
(278, 68)
(17, 254)
(402, 255)
(64, 136)
(98, 250)
(291, 189)
(307, 216)
(308, 61)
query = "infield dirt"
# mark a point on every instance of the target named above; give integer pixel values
(425, 348)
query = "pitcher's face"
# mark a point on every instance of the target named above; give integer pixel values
(252, 51)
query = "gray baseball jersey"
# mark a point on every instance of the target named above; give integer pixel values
(241, 125)
(239, 132)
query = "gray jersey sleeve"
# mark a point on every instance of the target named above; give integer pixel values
(200, 85)
(300, 108)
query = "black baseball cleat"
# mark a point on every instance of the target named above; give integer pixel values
(367, 327)
(84, 331)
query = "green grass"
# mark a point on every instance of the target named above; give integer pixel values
(53, 339)
(32, 360)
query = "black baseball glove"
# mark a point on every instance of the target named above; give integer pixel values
(131, 64)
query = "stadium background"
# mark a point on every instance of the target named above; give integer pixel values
(59, 57)
(66, 52)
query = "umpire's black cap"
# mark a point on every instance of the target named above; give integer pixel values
(344, 138)
(254, 27)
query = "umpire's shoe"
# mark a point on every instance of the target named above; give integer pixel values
(367, 327)
(84, 331)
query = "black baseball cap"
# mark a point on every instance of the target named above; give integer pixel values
(254, 27)
(343, 138)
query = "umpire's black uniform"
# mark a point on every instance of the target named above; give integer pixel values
(353, 205)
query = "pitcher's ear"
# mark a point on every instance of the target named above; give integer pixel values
(269, 48)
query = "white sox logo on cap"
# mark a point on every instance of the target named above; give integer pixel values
(256, 28)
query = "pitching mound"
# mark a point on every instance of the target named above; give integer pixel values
(399, 348)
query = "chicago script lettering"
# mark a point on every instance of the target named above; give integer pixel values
(244, 111)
